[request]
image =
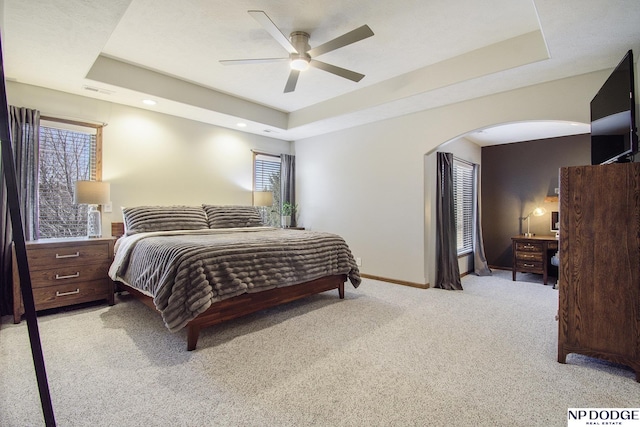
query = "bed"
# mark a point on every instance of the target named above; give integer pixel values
(202, 265)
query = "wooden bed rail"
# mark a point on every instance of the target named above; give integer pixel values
(244, 304)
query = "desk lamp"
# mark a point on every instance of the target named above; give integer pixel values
(536, 212)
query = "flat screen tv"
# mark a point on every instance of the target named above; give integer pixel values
(613, 116)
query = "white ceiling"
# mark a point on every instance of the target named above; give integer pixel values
(424, 54)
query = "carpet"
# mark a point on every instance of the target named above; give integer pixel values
(386, 355)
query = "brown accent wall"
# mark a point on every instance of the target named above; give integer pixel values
(515, 179)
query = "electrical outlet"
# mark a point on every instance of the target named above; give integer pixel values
(359, 262)
(107, 207)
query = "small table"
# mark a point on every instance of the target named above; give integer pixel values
(65, 272)
(532, 254)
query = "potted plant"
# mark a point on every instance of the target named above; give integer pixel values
(288, 211)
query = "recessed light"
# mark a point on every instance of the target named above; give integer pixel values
(149, 102)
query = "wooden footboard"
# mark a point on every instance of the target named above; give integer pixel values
(244, 304)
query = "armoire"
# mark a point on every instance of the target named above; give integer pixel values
(599, 283)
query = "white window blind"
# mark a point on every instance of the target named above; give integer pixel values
(463, 193)
(266, 172)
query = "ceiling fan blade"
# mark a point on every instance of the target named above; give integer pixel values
(271, 28)
(251, 61)
(356, 35)
(342, 72)
(291, 81)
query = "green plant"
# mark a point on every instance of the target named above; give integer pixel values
(289, 209)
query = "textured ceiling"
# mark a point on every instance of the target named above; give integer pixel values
(423, 54)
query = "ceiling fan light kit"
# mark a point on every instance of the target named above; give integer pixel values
(301, 55)
(300, 59)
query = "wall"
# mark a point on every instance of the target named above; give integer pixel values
(368, 183)
(516, 178)
(153, 158)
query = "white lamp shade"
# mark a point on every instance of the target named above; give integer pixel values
(92, 193)
(262, 198)
(539, 211)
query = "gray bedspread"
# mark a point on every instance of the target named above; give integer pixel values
(185, 272)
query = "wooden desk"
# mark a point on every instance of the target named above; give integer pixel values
(532, 254)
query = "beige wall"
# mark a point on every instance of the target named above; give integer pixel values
(156, 159)
(368, 183)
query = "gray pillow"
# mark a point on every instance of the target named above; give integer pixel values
(142, 219)
(232, 216)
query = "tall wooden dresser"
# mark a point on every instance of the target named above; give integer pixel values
(66, 272)
(599, 301)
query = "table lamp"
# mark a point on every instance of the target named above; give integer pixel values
(263, 199)
(92, 193)
(535, 212)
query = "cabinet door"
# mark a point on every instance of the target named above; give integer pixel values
(600, 261)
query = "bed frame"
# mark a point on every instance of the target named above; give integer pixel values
(240, 305)
(244, 304)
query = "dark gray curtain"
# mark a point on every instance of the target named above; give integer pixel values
(480, 266)
(288, 183)
(448, 272)
(25, 132)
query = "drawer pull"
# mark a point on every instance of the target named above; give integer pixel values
(76, 255)
(528, 265)
(69, 276)
(529, 246)
(62, 294)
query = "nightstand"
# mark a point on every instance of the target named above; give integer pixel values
(66, 272)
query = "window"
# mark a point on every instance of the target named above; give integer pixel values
(266, 177)
(69, 152)
(463, 194)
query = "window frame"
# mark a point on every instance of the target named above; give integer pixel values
(272, 215)
(80, 127)
(463, 174)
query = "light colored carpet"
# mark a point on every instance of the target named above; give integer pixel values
(387, 355)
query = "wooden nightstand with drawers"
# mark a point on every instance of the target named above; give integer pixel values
(66, 272)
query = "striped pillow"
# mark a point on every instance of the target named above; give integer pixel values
(142, 219)
(232, 216)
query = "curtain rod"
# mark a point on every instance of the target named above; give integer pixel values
(464, 161)
(73, 121)
(266, 153)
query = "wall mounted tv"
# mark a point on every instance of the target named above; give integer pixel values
(613, 116)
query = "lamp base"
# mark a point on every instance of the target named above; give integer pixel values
(94, 222)
(528, 234)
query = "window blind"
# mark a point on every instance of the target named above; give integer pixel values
(463, 188)
(266, 172)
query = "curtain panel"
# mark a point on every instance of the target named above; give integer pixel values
(448, 272)
(480, 266)
(25, 135)
(287, 183)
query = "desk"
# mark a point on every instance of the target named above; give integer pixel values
(532, 254)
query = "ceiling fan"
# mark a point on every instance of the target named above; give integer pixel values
(301, 55)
